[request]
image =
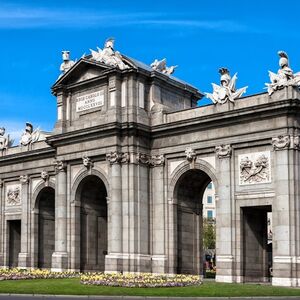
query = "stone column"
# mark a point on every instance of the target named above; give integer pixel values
(60, 256)
(24, 258)
(223, 220)
(113, 261)
(159, 258)
(1, 222)
(284, 211)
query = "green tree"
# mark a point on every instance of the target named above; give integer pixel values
(209, 234)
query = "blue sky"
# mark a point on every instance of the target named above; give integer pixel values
(199, 36)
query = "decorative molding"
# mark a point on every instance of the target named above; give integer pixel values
(190, 154)
(87, 162)
(60, 166)
(45, 175)
(24, 179)
(1, 183)
(13, 196)
(255, 168)
(281, 142)
(223, 151)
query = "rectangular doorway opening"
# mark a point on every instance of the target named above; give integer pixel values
(14, 242)
(257, 249)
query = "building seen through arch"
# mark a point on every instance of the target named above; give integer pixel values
(119, 184)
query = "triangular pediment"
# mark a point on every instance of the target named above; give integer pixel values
(83, 70)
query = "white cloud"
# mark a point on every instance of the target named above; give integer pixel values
(20, 17)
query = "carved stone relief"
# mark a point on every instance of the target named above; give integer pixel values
(13, 195)
(45, 175)
(254, 168)
(87, 162)
(190, 154)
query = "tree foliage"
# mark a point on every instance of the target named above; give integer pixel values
(209, 234)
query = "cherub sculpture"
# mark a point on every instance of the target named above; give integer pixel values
(5, 141)
(284, 77)
(67, 64)
(226, 90)
(161, 66)
(109, 56)
(29, 136)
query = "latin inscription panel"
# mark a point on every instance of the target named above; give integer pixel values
(90, 101)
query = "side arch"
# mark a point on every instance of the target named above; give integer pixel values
(90, 216)
(38, 189)
(84, 173)
(43, 224)
(199, 164)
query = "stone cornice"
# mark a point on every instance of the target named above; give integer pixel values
(28, 155)
(96, 132)
(223, 117)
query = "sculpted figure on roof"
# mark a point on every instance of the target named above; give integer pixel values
(226, 90)
(5, 141)
(29, 135)
(161, 66)
(67, 63)
(284, 77)
(109, 56)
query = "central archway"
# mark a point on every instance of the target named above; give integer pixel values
(92, 195)
(188, 194)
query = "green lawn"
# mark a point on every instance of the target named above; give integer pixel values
(73, 287)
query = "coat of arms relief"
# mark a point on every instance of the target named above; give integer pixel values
(254, 168)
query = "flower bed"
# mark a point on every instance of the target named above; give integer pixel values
(139, 280)
(18, 274)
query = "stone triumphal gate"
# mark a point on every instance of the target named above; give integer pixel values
(118, 185)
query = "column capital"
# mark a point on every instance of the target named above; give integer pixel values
(150, 160)
(60, 166)
(223, 151)
(281, 142)
(116, 157)
(156, 160)
(24, 179)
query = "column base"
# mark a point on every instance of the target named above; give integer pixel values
(59, 262)
(1, 259)
(225, 278)
(279, 281)
(159, 264)
(127, 263)
(23, 260)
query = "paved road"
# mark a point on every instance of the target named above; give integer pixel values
(27, 297)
